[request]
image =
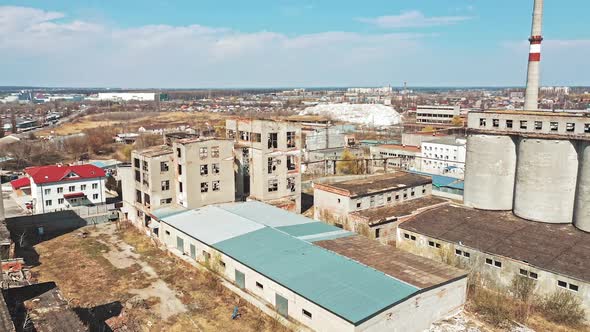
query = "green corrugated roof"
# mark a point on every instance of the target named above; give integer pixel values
(308, 229)
(349, 289)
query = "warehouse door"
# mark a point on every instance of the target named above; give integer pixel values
(180, 244)
(282, 306)
(193, 252)
(240, 279)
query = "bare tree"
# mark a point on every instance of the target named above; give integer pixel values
(13, 122)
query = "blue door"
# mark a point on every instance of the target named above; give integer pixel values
(240, 279)
(282, 305)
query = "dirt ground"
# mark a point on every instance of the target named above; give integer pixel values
(158, 292)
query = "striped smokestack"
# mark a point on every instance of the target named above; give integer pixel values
(531, 101)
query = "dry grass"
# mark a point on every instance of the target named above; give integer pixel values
(88, 279)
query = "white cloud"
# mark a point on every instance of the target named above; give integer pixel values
(413, 19)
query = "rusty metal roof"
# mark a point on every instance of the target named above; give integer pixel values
(379, 183)
(558, 248)
(400, 210)
(415, 270)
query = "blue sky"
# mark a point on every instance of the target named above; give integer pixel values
(266, 43)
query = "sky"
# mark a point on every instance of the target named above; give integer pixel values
(287, 43)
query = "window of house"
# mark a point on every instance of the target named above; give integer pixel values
(405, 195)
(523, 124)
(203, 152)
(570, 127)
(216, 186)
(291, 163)
(180, 187)
(94, 196)
(165, 185)
(215, 168)
(47, 191)
(377, 232)
(538, 125)
(273, 185)
(291, 185)
(587, 128)
(508, 123)
(167, 232)
(164, 166)
(482, 122)
(496, 123)
(306, 313)
(71, 188)
(214, 152)
(60, 201)
(273, 141)
(259, 285)
(136, 162)
(94, 186)
(554, 126)
(83, 187)
(178, 153)
(179, 169)
(291, 139)
(48, 202)
(166, 201)
(60, 190)
(204, 170)
(204, 187)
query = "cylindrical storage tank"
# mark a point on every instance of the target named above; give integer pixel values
(490, 170)
(546, 180)
(582, 209)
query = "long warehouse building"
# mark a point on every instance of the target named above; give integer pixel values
(271, 254)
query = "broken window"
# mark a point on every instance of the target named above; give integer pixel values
(291, 163)
(523, 124)
(272, 165)
(216, 186)
(244, 136)
(137, 176)
(273, 141)
(508, 123)
(145, 166)
(215, 168)
(291, 139)
(204, 187)
(554, 126)
(203, 152)
(538, 125)
(587, 128)
(496, 123)
(214, 152)
(136, 163)
(166, 201)
(482, 122)
(204, 170)
(570, 127)
(165, 185)
(291, 185)
(230, 134)
(273, 185)
(164, 166)
(146, 199)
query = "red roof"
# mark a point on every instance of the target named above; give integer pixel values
(20, 183)
(74, 195)
(55, 173)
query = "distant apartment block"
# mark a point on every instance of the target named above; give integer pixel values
(444, 156)
(64, 187)
(268, 157)
(436, 114)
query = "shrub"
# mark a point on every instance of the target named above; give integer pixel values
(563, 307)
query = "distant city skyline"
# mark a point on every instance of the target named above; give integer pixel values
(287, 43)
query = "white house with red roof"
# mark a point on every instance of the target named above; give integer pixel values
(63, 187)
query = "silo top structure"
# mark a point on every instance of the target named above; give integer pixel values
(531, 102)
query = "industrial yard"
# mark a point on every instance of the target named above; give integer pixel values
(121, 268)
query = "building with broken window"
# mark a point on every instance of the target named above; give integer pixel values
(268, 158)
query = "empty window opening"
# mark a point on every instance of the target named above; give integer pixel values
(204, 170)
(406, 235)
(533, 275)
(489, 261)
(178, 153)
(179, 169)
(180, 187)
(574, 287)
(145, 166)
(538, 125)
(412, 237)
(587, 128)
(136, 163)
(570, 127)
(215, 168)
(204, 187)
(524, 272)
(306, 313)
(216, 186)
(561, 283)
(291, 163)
(273, 141)
(273, 185)
(291, 139)
(377, 233)
(244, 136)
(508, 123)
(523, 124)
(496, 123)
(497, 264)
(164, 167)
(466, 254)
(292, 187)
(358, 205)
(259, 285)
(554, 126)
(482, 122)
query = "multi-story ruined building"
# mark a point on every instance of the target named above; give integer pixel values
(268, 158)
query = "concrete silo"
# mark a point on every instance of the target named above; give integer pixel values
(546, 177)
(490, 172)
(582, 210)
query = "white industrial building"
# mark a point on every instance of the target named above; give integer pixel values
(125, 96)
(437, 114)
(271, 254)
(444, 156)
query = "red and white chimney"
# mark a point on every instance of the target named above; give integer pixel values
(531, 101)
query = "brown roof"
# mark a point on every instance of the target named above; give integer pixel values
(400, 210)
(559, 248)
(377, 183)
(415, 270)
(50, 312)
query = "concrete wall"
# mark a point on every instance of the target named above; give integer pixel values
(151, 181)
(582, 124)
(546, 282)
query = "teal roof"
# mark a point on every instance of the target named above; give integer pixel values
(443, 181)
(168, 211)
(348, 289)
(308, 229)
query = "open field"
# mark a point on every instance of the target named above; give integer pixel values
(158, 292)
